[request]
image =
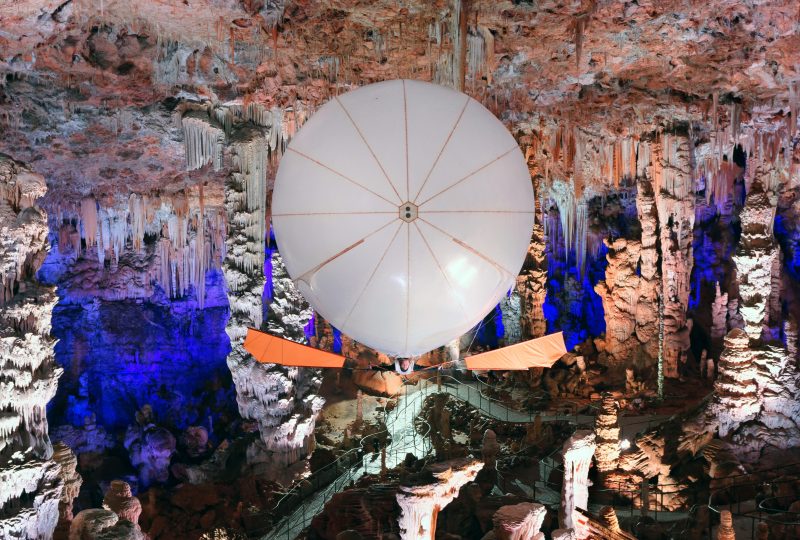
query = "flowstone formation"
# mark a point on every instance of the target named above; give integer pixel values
(30, 485)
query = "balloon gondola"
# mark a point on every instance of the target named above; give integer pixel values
(403, 212)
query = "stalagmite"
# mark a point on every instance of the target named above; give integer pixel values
(519, 522)
(754, 257)
(577, 451)
(606, 429)
(619, 292)
(121, 501)
(649, 276)
(790, 330)
(420, 504)
(719, 322)
(30, 486)
(755, 400)
(532, 279)
(68, 463)
(609, 517)
(725, 530)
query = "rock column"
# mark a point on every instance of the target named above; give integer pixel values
(282, 400)
(754, 258)
(578, 451)
(30, 486)
(674, 197)
(606, 429)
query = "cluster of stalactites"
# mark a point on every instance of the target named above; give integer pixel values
(766, 143)
(190, 237)
(204, 144)
(250, 173)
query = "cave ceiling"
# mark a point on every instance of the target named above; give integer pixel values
(89, 86)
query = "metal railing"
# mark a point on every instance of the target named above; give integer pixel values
(742, 489)
(401, 431)
(307, 497)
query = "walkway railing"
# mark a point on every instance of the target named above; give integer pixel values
(743, 489)
(403, 439)
(313, 492)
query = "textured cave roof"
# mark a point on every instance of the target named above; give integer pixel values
(614, 68)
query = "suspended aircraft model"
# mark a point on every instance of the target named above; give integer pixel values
(403, 212)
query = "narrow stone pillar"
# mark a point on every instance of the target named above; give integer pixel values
(606, 428)
(68, 463)
(578, 451)
(609, 518)
(489, 449)
(674, 195)
(754, 257)
(725, 530)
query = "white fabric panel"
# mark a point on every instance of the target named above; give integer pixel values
(403, 288)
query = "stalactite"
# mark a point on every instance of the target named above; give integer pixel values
(250, 171)
(476, 56)
(203, 142)
(89, 220)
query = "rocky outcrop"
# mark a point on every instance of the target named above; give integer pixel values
(420, 504)
(30, 486)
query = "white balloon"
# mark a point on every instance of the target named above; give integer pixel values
(403, 211)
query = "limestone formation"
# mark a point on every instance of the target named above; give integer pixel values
(150, 448)
(30, 485)
(531, 281)
(674, 196)
(420, 504)
(99, 524)
(719, 315)
(755, 255)
(725, 530)
(489, 449)
(578, 451)
(606, 429)
(564, 534)
(71, 480)
(121, 501)
(519, 522)
(282, 400)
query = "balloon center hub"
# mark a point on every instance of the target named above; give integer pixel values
(408, 212)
